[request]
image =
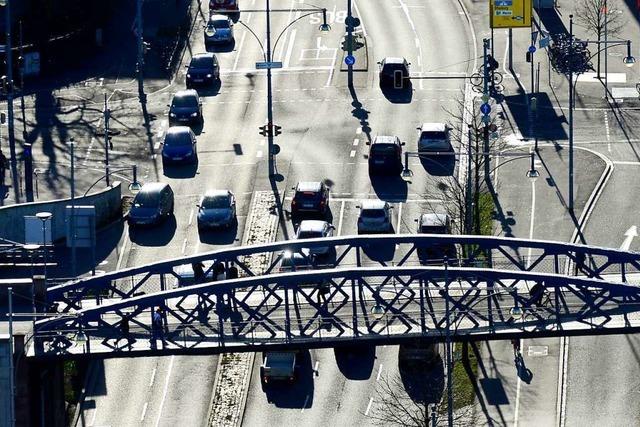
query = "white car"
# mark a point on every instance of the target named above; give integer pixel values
(312, 229)
(434, 138)
(375, 217)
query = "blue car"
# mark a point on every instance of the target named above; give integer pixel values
(219, 30)
(179, 145)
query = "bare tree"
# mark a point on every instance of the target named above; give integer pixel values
(596, 15)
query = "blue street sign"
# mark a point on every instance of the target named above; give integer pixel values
(532, 48)
(349, 60)
(485, 108)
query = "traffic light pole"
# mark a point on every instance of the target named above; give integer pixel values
(349, 22)
(269, 97)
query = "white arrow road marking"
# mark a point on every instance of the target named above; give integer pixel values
(629, 235)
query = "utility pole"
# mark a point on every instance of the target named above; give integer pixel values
(107, 114)
(140, 63)
(10, 128)
(571, 115)
(269, 98)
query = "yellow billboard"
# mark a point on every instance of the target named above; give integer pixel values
(510, 13)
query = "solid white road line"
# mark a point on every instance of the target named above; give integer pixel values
(333, 67)
(122, 248)
(340, 217)
(164, 391)
(379, 372)
(315, 368)
(306, 400)
(399, 217)
(368, 406)
(287, 57)
(191, 216)
(153, 376)
(235, 62)
(355, 6)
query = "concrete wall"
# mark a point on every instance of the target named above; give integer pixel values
(107, 203)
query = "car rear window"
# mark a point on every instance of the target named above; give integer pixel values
(384, 149)
(391, 68)
(434, 229)
(219, 23)
(202, 62)
(309, 235)
(373, 213)
(307, 195)
(433, 135)
(217, 202)
(177, 139)
(147, 199)
(185, 101)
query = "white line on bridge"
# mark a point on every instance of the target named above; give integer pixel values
(164, 391)
(379, 372)
(144, 411)
(340, 217)
(368, 406)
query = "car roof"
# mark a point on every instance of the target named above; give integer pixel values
(312, 225)
(394, 60)
(217, 193)
(309, 186)
(433, 127)
(218, 17)
(385, 139)
(153, 187)
(178, 130)
(437, 219)
(373, 204)
(186, 93)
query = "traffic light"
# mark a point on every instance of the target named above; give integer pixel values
(529, 56)
(277, 130)
(264, 131)
(146, 47)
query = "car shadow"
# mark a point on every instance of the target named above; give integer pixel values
(355, 362)
(208, 90)
(398, 96)
(423, 384)
(179, 171)
(441, 166)
(380, 251)
(197, 127)
(298, 394)
(159, 235)
(390, 188)
(222, 236)
(221, 48)
(298, 218)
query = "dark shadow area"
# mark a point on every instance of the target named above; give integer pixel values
(398, 96)
(159, 235)
(98, 382)
(222, 47)
(208, 90)
(358, 111)
(552, 20)
(299, 393)
(176, 170)
(549, 122)
(423, 383)
(219, 236)
(355, 362)
(438, 165)
(380, 252)
(633, 8)
(494, 391)
(390, 188)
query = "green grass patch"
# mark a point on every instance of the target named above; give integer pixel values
(465, 373)
(70, 380)
(487, 208)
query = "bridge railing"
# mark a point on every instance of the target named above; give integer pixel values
(356, 251)
(337, 305)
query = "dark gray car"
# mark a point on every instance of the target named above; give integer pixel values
(152, 204)
(185, 108)
(203, 69)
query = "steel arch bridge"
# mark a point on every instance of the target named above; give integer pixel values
(369, 288)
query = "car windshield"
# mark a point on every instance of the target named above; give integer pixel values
(373, 213)
(216, 202)
(201, 62)
(146, 200)
(219, 24)
(383, 149)
(177, 139)
(309, 234)
(184, 101)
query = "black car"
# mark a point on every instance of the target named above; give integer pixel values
(151, 205)
(310, 198)
(185, 108)
(394, 72)
(436, 223)
(385, 155)
(179, 145)
(203, 69)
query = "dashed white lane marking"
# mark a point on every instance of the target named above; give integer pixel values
(125, 239)
(355, 6)
(417, 42)
(259, 153)
(356, 142)
(191, 216)
(315, 367)
(164, 390)
(153, 376)
(306, 400)
(358, 130)
(144, 411)
(399, 217)
(340, 217)
(379, 373)
(368, 406)
(184, 246)
(352, 153)
(608, 133)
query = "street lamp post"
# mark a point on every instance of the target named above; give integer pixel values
(73, 210)
(44, 217)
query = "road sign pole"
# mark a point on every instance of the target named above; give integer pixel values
(271, 157)
(349, 23)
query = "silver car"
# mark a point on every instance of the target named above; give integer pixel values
(219, 30)
(217, 208)
(375, 217)
(313, 229)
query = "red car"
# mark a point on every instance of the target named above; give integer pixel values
(215, 5)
